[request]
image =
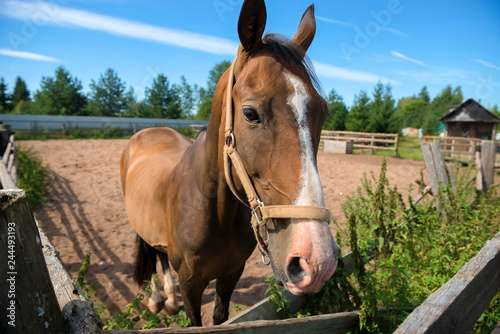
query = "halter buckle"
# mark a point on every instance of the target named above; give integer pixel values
(257, 213)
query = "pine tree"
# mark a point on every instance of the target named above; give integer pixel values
(107, 96)
(424, 95)
(21, 92)
(5, 105)
(381, 110)
(357, 120)
(186, 97)
(163, 99)
(338, 112)
(60, 95)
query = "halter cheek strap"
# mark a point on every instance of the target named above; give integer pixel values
(260, 212)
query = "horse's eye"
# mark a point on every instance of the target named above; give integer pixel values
(251, 115)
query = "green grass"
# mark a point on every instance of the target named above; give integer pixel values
(408, 148)
(32, 176)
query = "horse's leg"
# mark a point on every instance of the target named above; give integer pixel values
(223, 291)
(155, 302)
(192, 289)
(171, 305)
(145, 268)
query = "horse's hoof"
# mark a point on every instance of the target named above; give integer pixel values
(155, 307)
(171, 308)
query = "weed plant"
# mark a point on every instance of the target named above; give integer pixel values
(134, 314)
(32, 175)
(403, 252)
(277, 297)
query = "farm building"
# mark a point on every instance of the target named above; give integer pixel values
(470, 119)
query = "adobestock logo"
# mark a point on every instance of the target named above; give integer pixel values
(485, 87)
(39, 18)
(363, 37)
(223, 6)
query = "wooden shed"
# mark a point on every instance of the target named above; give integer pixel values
(471, 120)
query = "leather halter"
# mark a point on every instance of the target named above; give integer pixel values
(260, 212)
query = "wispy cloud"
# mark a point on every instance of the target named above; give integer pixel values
(26, 55)
(348, 24)
(395, 31)
(340, 23)
(331, 71)
(402, 56)
(63, 16)
(441, 75)
(485, 63)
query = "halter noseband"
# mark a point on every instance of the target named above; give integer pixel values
(260, 212)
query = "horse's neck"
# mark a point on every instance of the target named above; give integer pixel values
(211, 167)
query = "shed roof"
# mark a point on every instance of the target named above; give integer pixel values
(470, 111)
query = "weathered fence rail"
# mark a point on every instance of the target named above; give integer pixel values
(363, 140)
(63, 123)
(8, 168)
(463, 149)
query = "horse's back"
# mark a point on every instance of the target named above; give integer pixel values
(146, 165)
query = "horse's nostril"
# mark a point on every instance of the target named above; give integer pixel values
(295, 272)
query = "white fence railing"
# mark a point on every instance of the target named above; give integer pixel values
(42, 122)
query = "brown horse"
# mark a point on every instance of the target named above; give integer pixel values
(189, 201)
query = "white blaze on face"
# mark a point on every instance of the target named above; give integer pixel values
(311, 191)
(312, 241)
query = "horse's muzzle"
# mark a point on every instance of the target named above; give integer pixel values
(311, 262)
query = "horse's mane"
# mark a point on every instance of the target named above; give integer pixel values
(203, 129)
(291, 57)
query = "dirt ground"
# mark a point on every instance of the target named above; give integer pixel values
(85, 212)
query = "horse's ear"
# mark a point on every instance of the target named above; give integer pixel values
(251, 24)
(307, 29)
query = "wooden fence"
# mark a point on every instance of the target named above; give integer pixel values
(363, 140)
(38, 294)
(462, 149)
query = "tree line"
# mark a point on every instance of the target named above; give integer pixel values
(379, 113)
(63, 94)
(108, 96)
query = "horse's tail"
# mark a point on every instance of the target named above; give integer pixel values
(145, 261)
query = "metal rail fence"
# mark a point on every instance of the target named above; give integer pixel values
(48, 122)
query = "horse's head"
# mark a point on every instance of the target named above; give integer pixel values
(277, 120)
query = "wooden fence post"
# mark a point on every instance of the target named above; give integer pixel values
(396, 144)
(29, 304)
(488, 152)
(439, 175)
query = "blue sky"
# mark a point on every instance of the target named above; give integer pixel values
(407, 43)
